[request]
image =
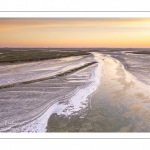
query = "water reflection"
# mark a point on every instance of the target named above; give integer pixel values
(120, 104)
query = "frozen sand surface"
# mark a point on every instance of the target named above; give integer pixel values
(27, 107)
(23, 72)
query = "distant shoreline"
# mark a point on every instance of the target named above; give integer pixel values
(17, 56)
(20, 55)
(141, 52)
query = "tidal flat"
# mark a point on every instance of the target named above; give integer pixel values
(99, 91)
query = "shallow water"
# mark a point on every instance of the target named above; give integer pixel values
(137, 64)
(120, 104)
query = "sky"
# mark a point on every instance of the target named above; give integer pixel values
(75, 32)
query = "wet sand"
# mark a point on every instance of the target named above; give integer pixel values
(121, 103)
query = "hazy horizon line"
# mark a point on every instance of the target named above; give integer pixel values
(77, 47)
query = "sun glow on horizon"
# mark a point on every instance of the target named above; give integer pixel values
(75, 32)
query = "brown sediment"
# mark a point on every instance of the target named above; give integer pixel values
(136, 107)
(142, 96)
(125, 129)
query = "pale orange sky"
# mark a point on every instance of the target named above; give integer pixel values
(83, 32)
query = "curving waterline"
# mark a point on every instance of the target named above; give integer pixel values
(77, 102)
(133, 77)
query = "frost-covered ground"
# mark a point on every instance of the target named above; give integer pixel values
(23, 72)
(27, 107)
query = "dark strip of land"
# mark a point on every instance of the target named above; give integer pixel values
(13, 56)
(141, 52)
